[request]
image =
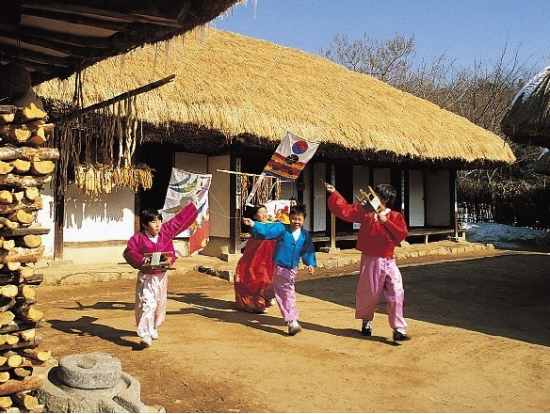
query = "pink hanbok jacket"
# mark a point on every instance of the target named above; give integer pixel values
(139, 243)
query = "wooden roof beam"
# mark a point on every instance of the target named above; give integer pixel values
(47, 43)
(66, 39)
(84, 20)
(32, 55)
(42, 68)
(125, 10)
(15, 53)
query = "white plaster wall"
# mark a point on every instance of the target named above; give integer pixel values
(438, 198)
(191, 162)
(46, 219)
(361, 180)
(109, 218)
(289, 189)
(319, 209)
(416, 198)
(219, 195)
(307, 194)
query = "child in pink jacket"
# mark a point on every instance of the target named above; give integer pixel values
(151, 287)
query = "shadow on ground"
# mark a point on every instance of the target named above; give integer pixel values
(88, 326)
(224, 311)
(505, 296)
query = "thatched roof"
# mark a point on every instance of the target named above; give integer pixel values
(56, 38)
(527, 120)
(542, 166)
(254, 91)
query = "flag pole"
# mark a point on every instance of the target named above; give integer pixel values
(254, 189)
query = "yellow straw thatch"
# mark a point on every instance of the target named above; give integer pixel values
(238, 85)
(542, 166)
(527, 120)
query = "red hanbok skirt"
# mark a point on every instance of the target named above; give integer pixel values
(254, 273)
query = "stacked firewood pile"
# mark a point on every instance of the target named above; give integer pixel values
(25, 167)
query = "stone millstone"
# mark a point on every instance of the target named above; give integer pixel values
(92, 371)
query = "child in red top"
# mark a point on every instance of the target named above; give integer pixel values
(378, 235)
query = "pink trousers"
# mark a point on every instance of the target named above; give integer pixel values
(151, 297)
(284, 292)
(380, 275)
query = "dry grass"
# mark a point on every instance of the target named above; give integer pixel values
(238, 85)
(542, 166)
(527, 121)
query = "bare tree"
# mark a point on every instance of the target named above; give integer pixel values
(480, 93)
(388, 60)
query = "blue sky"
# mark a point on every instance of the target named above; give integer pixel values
(465, 30)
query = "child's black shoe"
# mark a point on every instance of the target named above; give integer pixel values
(366, 328)
(400, 336)
(268, 301)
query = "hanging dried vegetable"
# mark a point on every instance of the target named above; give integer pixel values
(99, 149)
(269, 189)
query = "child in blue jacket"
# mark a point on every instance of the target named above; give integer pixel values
(293, 242)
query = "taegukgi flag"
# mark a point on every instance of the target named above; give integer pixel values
(183, 187)
(291, 157)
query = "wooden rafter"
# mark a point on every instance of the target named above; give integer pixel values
(57, 38)
(85, 20)
(158, 11)
(118, 98)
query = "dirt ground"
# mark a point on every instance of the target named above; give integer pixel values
(480, 331)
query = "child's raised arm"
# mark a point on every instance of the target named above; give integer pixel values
(180, 221)
(248, 222)
(342, 209)
(264, 231)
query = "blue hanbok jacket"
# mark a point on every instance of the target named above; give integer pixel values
(287, 250)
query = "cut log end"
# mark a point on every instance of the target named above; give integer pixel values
(32, 112)
(32, 193)
(36, 354)
(25, 400)
(6, 402)
(22, 217)
(9, 291)
(6, 197)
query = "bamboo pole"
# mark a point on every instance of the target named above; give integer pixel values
(78, 113)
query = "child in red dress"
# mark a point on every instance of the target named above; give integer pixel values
(255, 268)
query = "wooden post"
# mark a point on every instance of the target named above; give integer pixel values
(402, 191)
(235, 207)
(59, 224)
(454, 201)
(333, 248)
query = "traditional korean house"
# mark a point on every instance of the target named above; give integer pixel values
(40, 41)
(527, 120)
(234, 98)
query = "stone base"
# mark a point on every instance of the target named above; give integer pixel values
(123, 398)
(228, 275)
(330, 250)
(458, 239)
